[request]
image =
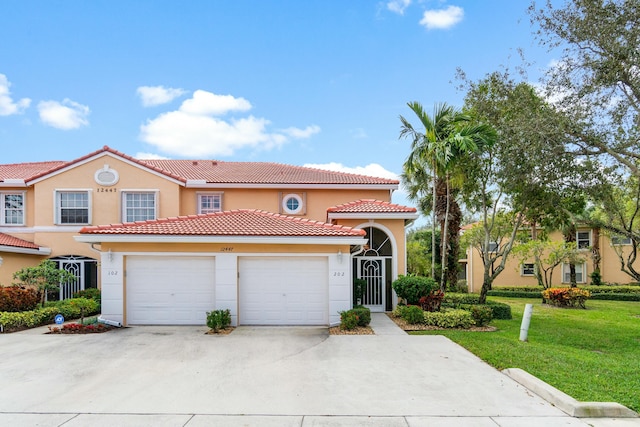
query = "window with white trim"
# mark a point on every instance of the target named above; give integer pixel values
(581, 275)
(527, 269)
(493, 247)
(138, 206)
(619, 240)
(209, 203)
(12, 212)
(583, 239)
(293, 204)
(73, 207)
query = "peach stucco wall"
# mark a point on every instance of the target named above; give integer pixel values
(609, 268)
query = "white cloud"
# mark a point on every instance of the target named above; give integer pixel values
(149, 156)
(158, 95)
(301, 133)
(64, 115)
(194, 129)
(398, 6)
(7, 105)
(442, 19)
(372, 169)
(207, 103)
(358, 133)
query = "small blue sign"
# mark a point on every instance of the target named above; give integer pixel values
(59, 319)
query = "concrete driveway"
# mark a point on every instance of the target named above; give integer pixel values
(182, 375)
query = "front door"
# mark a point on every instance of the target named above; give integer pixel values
(372, 270)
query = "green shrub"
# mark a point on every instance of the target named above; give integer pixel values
(460, 287)
(348, 320)
(90, 293)
(15, 298)
(566, 297)
(481, 314)
(364, 315)
(218, 319)
(449, 319)
(397, 312)
(413, 314)
(452, 299)
(515, 294)
(616, 296)
(500, 310)
(466, 301)
(412, 288)
(359, 286)
(596, 278)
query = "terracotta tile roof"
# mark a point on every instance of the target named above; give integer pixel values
(244, 222)
(259, 173)
(25, 171)
(211, 171)
(371, 206)
(6, 240)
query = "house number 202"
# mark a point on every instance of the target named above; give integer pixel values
(338, 273)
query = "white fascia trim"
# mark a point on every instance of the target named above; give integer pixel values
(214, 185)
(13, 183)
(43, 229)
(380, 215)
(104, 238)
(17, 250)
(106, 154)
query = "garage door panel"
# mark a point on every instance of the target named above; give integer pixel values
(283, 290)
(169, 290)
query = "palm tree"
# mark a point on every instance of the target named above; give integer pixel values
(448, 136)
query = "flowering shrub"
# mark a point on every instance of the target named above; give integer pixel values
(566, 297)
(77, 328)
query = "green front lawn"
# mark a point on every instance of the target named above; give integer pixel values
(592, 355)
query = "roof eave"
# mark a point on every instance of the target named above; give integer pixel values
(290, 240)
(29, 251)
(373, 215)
(291, 186)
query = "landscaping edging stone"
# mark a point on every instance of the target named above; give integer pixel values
(566, 403)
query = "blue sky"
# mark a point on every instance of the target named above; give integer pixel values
(313, 82)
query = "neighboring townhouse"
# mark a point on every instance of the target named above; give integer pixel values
(589, 242)
(169, 240)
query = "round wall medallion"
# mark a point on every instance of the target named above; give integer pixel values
(106, 176)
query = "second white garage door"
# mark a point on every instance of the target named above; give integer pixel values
(283, 291)
(166, 290)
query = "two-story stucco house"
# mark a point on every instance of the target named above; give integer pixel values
(169, 240)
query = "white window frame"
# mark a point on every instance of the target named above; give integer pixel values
(3, 211)
(300, 210)
(493, 247)
(533, 269)
(58, 208)
(578, 239)
(123, 200)
(217, 195)
(619, 240)
(581, 269)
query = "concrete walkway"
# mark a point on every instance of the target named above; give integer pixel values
(178, 376)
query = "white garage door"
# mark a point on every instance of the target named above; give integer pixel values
(283, 291)
(166, 290)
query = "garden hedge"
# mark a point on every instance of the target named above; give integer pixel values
(604, 292)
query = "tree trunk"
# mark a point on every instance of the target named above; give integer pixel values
(445, 239)
(570, 237)
(433, 225)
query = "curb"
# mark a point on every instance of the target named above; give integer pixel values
(567, 403)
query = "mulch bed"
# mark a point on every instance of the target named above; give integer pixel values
(359, 330)
(76, 328)
(419, 327)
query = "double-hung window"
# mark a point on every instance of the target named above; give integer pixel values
(209, 203)
(12, 212)
(139, 206)
(73, 207)
(580, 273)
(583, 239)
(527, 269)
(619, 240)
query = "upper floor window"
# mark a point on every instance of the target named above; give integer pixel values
(583, 239)
(208, 203)
(72, 207)
(581, 273)
(138, 206)
(293, 204)
(618, 240)
(12, 208)
(527, 269)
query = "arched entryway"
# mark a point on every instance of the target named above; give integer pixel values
(375, 265)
